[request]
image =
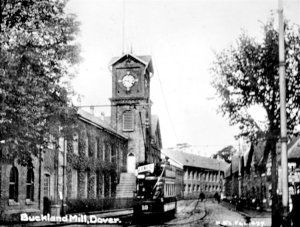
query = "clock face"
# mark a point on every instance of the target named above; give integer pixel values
(128, 81)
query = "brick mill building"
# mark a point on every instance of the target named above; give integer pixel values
(200, 173)
(101, 158)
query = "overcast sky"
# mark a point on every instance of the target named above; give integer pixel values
(181, 36)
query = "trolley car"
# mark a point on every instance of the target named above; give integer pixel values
(156, 190)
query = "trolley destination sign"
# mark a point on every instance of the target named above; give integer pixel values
(146, 168)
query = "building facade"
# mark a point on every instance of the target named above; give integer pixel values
(131, 108)
(88, 165)
(93, 162)
(20, 189)
(245, 178)
(200, 173)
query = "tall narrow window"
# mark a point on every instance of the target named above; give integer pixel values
(88, 183)
(30, 184)
(47, 185)
(98, 184)
(113, 154)
(99, 149)
(75, 142)
(128, 121)
(13, 184)
(107, 152)
(90, 146)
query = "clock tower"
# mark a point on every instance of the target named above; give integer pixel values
(131, 105)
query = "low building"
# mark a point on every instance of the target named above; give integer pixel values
(246, 178)
(200, 173)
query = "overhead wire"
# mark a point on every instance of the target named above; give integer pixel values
(165, 103)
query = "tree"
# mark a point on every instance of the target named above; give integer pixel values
(246, 75)
(225, 154)
(37, 49)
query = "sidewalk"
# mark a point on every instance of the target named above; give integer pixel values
(108, 216)
(262, 217)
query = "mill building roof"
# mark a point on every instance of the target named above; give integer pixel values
(192, 160)
(96, 121)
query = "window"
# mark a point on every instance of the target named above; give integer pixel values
(107, 152)
(113, 154)
(87, 145)
(99, 149)
(75, 143)
(30, 184)
(74, 182)
(128, 121)
(78, 184)
(103, 151)
(98, 185)
(13, 184)
(106, 185)
(90, 148)
(88, 183)
(47, 185)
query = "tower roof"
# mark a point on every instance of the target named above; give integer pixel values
(144, 59)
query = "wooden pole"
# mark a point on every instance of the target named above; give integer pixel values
(282, 85)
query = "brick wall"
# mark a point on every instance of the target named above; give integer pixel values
(10, 209)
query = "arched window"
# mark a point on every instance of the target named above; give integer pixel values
(30, 184)
(128, 121)
(13, 184)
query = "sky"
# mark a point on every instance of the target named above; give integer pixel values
(182, 37)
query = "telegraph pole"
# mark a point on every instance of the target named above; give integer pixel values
(283, 127)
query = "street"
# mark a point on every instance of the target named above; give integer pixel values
(194, 213)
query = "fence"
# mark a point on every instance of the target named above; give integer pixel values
(101, 204)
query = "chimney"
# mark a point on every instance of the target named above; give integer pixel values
(92, 110)
(102, 116)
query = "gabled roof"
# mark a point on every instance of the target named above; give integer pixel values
(256, 154)
(235, 163)
(96, 121)
(294, 149)
(144, 59)
(197, 161)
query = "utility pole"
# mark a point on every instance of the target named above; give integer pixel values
(240, 177)
(283, 126)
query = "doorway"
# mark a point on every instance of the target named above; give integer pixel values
(131, 163)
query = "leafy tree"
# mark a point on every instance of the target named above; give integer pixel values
(246, 75)
(225, 154)
(37, 49)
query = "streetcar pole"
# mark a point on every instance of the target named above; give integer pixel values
(282, 85)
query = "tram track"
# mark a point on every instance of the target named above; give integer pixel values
(192, 217)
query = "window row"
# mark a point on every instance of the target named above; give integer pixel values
(81, 185)
(14, 184)
(97, 149)
(206, 176)
(197, 188)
